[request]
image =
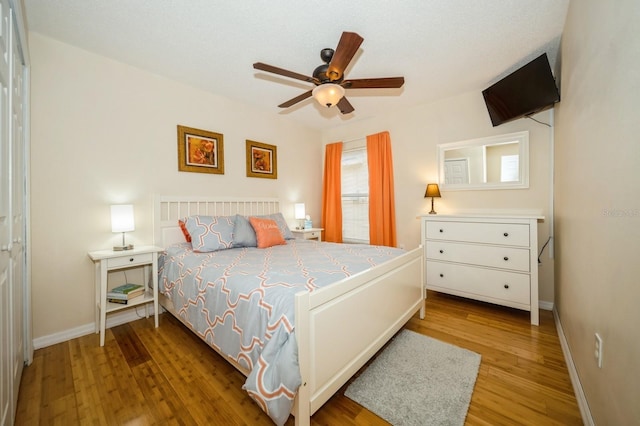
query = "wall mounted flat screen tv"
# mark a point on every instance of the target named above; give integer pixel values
(526, 91)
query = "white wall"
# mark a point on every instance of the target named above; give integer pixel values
(103, 132)
(598, 206)
(415, 134)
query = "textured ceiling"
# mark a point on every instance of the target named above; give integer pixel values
(441, 47)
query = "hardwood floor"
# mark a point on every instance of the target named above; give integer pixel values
(146, 376)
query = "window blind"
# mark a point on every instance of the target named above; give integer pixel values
(355, 196)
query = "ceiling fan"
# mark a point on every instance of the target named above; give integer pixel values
(329, 77)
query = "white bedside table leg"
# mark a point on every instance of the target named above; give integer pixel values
(103, 300)
(154, 272)
(98, 305)
(145, 277)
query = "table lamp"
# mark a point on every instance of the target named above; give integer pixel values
(300, 213)
(432, 191)
(122, 221)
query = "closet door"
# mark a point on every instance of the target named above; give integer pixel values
(6, 357)
(18, 189)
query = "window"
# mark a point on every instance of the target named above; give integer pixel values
(355, 196)
(509, 168)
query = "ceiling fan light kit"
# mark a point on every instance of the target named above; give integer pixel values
(328, 94)
(329, 77)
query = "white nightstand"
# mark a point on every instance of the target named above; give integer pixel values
(108, 260)
(308, 234)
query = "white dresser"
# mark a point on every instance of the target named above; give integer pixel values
(484, 257)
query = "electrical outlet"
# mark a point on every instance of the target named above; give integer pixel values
(598, 351)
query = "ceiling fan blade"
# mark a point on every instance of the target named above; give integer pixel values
(280, 71)
(345, 106)
(347, 48)
(295, 100)
(374, 83)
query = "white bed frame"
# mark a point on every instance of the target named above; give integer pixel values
(339, 327)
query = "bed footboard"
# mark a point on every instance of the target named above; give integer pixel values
(340, 327)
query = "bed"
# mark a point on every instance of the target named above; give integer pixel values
(358, 313)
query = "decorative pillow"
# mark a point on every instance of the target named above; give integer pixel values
(267, 232)
(243, 233)
(210, 233)
(183, 227)
(282, 224)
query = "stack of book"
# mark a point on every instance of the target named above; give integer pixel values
(125, 292)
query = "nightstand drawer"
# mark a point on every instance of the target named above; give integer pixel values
(132, 260)
(311, 235)
(308, 234)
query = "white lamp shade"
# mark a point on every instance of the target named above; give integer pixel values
(328, 94)
(122, 218)
(299, 211)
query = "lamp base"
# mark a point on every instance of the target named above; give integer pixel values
(122, 248)
(432, 210)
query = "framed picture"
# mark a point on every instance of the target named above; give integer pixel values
(262, 160)
(200, 151)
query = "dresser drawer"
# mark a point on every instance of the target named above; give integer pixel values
(501, 287)
(510, 234)
(132, 260)
(512, 258)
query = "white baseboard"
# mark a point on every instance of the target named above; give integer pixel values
(573, 374)
(547, 306)
(113, 319)
(122, 317)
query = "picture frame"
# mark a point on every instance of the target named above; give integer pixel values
(262, 160)
(200, 151)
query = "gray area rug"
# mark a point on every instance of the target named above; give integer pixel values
(418, 380)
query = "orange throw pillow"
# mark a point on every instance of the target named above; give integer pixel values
(183, 227)
(267, 232)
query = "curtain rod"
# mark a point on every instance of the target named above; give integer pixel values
(356, 139)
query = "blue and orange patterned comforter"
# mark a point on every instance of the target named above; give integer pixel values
(241, 301)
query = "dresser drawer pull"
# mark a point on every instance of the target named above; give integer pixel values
(441, 251)
(441, 230)
(506, 286)
(506, 234)
(131, 260)
(441, 275)
(506, 258)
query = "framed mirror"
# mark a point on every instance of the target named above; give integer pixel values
(495, 162)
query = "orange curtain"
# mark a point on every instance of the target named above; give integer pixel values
(332, 193)
(382, 212)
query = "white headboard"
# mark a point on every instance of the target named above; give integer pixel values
(167, 210)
